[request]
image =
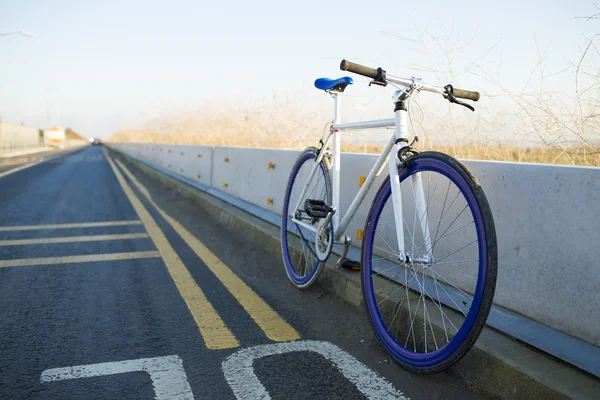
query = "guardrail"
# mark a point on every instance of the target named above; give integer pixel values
(547, 220)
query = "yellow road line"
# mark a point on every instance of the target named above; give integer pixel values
(212, 328)
(73, 239)
(275, 327)
(24, 262)
(67, 226)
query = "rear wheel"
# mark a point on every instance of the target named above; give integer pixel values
(429, 307)
(303, 261)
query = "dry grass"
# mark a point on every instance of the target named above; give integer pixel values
(500, 152)
(244, 134)
(263, 129)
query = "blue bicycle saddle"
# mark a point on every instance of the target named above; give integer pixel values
(337, 85)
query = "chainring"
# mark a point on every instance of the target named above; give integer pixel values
(324, 239)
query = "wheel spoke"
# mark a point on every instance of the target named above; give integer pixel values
(456, 251)
(446, 235)
(453, 285)
(306, 263)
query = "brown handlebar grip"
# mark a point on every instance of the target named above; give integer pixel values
(466, 94)
(346, 65)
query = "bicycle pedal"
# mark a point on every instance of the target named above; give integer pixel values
(317, 208)
(351, 265)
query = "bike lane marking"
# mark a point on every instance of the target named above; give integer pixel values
(215, 333)
(169, 379)
(73, 239)
(27, 262)
(167, 373)
(67, 226)
(271, 323)
(239, 372)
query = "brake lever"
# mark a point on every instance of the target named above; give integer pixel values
(379, 83)
(450, 97)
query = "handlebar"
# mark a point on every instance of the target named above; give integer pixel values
(380, 75)
(362, 70)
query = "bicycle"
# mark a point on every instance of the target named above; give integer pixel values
(428, 287)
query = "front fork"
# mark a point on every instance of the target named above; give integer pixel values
(397, 201)
(396, 160)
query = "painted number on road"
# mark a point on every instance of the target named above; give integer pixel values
(168, 376)
(240, 375)
(170, 381)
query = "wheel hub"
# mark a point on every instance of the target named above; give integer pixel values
(424, 262)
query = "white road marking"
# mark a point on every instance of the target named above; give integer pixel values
(67, 226)
(73, 239)
(12, 171)
(26, 262)
(168, 376)
(240, 375)
(50, 159)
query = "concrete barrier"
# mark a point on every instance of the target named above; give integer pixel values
(547, 218)
(25, 152)
(15, 137)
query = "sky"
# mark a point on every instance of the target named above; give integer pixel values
(99, 66)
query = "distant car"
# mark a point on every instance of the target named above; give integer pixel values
(97, 141)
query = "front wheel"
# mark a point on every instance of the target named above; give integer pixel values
(302, 260)
(429, 301)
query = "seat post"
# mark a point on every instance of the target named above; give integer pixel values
(335, 173)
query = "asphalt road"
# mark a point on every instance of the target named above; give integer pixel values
(10, 163)
(114, 287)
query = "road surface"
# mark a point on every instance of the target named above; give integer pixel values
(14, 162)
(112, 286)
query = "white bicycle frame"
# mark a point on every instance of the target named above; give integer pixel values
(390, 152)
